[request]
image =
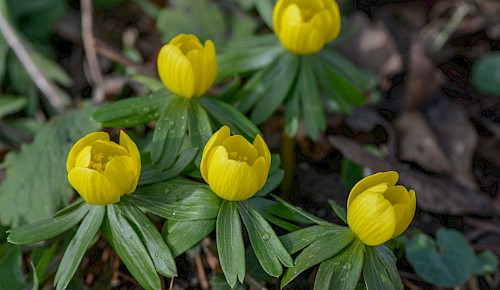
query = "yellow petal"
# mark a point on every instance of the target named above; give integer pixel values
(277, 14)
(195, 58)
(187, 42)
(131, 147)
(82, 143)
(397, 194)
(93, 186)
(120, 171)
(333, 29)
(176, 71)
(214, 141)
(262, 150)
(404, 214)
(389, 177)
(259, 172)
(209, 67)
(371, 217)
(83, 158)
(108, 148)
(230, 179)
(302, 38)
(237, 144)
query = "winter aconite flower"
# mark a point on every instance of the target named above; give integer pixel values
(186, 66)
(305, 26)
(378, 209)
(234, 168)
(102, 171)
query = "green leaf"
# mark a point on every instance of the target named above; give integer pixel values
(248, 55)
(265, 9)
(169, 133)
(448, 262)
(374, 272)
(150, 174)
(292, 114)
(183, 235)
(132, 112)
(152, 239)
(11, 104)
(51, 69)
(310, 100)
(266, 245)
(302, 213)
(274, 178)
(343, 270)
(78, 246)
(43, 257)
(485, 74)
(228, 115)
(177, 199)
(322, 249)
(265, 206)
(47, 228)
(351, 173)
(130, 249)
(35, 277)
(486, 263)
(199, 127)
(389, 261)
(11, 269)
(296, 241)
(25, 200)
(267, 93)
(230, 242)
(338, 210)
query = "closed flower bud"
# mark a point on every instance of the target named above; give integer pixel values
(305, 26)
(234, 168)
(186, 66)
(102, 171)
(378, 209)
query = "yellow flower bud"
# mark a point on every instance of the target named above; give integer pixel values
(378, 209)
(102, 171)
(234, 168)
(305, 26)
(186, 66)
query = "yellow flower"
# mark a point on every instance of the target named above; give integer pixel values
(378, 209)
(102, 171)
(305, 26)
(186, 67)
(234, 168)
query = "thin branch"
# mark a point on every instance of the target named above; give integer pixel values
(55, 97)
(88, 42)
(114, 55)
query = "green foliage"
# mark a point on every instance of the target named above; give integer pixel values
(486, 263)
(11, 269)
(182, 235)
(11, 104)
(485, 74)
(446, 262)
(24, 200)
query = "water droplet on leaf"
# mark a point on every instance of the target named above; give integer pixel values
(347, 266)
(266, 236)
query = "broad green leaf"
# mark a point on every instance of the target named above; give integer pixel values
(264, 205)
(310, 100)
(296, 241)
(485, 74)
(150, 174)
(256, 53)
(446, 262)
(266, 245)
(281, 82)
(169, 133)
(228, 115)
(343, 270)
(374, 272)
(338, 210)
(486, 263)
(132, 111)
(177, 200)
(199, 128)
(152, 239)
(302, 213)
(26, 200)
(322, 249)
(389, 261)
(11, 267)
(47, 228)
(230, 242)
(78, 246)
(11, 104)
(130, 249)
(183, 235)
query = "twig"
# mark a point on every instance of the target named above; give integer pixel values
(114, 55)
(201, 273)
(172, 283)
(49, 89)
(88, 42)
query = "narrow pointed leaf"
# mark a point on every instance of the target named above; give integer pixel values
(230, 243)
(296, 241)
(389, 261)
(374, 272)
(302, 213)
(78, 246)
(183, 235)
(266, 245)
(199, 129)
(312, 110)
(152, 239)
(47, 228)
